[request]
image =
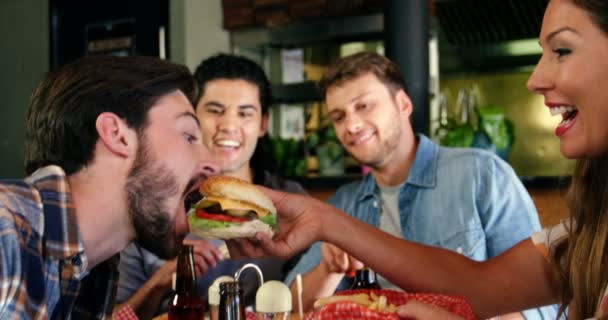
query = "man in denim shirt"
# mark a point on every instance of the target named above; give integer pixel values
(465, 200)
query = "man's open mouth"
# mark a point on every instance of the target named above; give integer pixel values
(193, 195)
(191, 199)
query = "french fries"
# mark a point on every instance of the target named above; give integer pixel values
(360, 298)
(371, 301)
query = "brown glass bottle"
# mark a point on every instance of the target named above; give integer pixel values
(186, 304)
(365, 278)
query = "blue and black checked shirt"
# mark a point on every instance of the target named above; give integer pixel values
(43, 266)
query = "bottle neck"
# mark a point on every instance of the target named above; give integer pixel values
(365, 278)
(185, 275)
(231, 306)
(230, 292)
(367, 275)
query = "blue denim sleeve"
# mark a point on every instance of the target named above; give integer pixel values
(506, 210)
(509, 217)
(309, 260)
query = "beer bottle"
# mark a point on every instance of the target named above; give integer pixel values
(231, 301)
(186, 304)
(365, 278)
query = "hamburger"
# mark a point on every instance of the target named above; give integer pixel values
(231, 208)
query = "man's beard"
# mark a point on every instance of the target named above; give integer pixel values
(148, 186)
(387, 147)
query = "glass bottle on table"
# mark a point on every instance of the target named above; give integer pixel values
(231, 301)
(214, 296)
(365, 278)
(186, 303)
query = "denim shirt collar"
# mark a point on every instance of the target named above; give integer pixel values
(422, 174)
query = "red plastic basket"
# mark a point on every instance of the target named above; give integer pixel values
(350, 310)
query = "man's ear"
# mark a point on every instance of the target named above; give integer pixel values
(264, 128)
(114, 134)
(404, 103)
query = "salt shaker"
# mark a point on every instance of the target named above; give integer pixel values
(273, 301)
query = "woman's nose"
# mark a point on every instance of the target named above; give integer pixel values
(540, 80)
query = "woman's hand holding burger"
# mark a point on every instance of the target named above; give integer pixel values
(231, 208)
(302, 220)
(256, 221)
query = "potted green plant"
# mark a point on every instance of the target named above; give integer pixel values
(330, 153)
(493, 131)
(290, 157)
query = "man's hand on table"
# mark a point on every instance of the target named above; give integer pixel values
(335, 260)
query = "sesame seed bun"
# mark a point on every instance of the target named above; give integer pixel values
(236, 189)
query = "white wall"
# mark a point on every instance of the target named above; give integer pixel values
(196, 31)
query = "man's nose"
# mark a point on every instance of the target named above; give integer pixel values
(208, 164)
(353, 124)
(228, 122)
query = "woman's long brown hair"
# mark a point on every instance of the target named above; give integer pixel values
(582, 259)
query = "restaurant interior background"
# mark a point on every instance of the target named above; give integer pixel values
(479, 53)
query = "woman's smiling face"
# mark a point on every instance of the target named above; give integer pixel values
(572, 75)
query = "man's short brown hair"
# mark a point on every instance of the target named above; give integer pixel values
(358, 64)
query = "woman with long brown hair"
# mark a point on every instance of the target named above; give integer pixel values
(572, 74)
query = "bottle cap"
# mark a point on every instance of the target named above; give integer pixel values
(273, 297)
(214, 289)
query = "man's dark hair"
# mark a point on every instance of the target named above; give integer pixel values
(358, 64)
(63, 110)
(234, 67)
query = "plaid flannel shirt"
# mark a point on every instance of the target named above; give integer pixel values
(43, 266)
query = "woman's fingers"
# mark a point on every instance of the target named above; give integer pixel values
(416, 310)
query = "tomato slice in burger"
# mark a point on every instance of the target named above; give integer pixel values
(218, 216)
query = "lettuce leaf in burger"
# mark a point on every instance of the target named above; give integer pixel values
(231, 208)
